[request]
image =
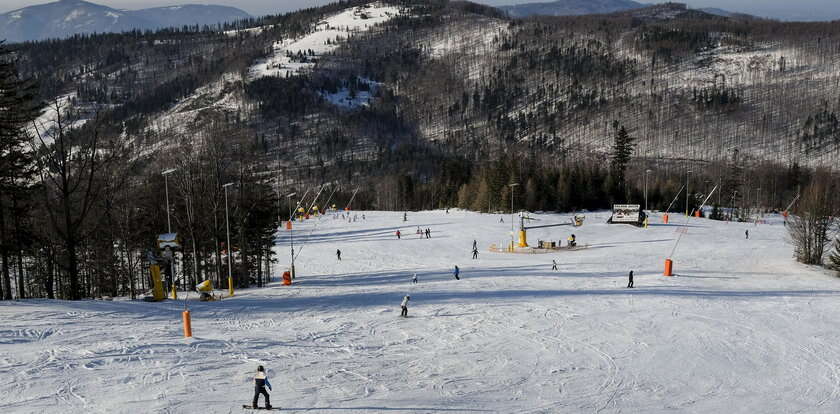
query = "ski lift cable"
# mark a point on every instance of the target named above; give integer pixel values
(315, 227)
(674, 249)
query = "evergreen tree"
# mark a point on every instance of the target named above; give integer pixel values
(621, 152)
(17, 108)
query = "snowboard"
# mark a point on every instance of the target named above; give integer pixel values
(260, 408)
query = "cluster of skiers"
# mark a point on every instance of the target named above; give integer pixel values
(351, 219)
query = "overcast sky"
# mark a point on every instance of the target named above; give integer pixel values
(788, 9)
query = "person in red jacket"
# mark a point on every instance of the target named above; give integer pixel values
(398, 234)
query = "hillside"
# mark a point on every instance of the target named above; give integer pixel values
(740, 325)
(66, 18)
(570, 7)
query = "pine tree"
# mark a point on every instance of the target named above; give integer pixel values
(17, 108)
(621, 153)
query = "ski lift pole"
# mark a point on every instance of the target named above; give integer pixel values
(315, 200)
(675, 199)
(327, 203)
(353, 197)
(795, 199)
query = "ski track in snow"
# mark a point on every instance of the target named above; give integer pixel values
(742, 328)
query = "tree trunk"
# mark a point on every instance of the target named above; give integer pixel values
(4, 255)
(21, 291)
(50, 277)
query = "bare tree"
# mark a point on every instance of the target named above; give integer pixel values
(813, 220)
(71, 162)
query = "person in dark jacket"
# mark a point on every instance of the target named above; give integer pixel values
(260, 382)
(630, 281)
(338, 254)
(747, 233)
(457, 272)
(553, 264)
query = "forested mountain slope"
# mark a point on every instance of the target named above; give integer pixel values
(438, 81)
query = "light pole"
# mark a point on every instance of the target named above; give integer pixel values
(166, 184)
(229, 247)
(687, 192)
(291, 234)
(646, 199)
(169, 231)
(512, 193)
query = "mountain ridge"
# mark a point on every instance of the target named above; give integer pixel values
(65, 18)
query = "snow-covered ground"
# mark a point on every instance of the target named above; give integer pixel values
(294, 56)
(742, 328)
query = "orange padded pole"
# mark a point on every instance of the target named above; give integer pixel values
(187, 324)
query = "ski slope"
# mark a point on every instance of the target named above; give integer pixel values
(742, 328)
(326, 37)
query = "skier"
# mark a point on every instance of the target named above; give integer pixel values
(419, 232)
(457, 272)
(475, 245)
(260, 382)
(398, 234)
(338, 254)
(404, 306)
(414, 279)
(363, 217)
(630, 282)
(553, 264)
(428, 233)
(747, 233)
(572, 242)
(501, 219)
(405, 216)
(475, 253)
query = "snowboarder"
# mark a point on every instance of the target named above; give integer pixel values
(457, 272)
(404, 306)
(572, 241)
(260, 382)
(338, 254)
(747, 233)
(398, 234)
(630, 281)
(414, 279)
(475, 253)
(553, 264)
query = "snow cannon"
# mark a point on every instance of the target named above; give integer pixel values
(205, 286)
(205, 290)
